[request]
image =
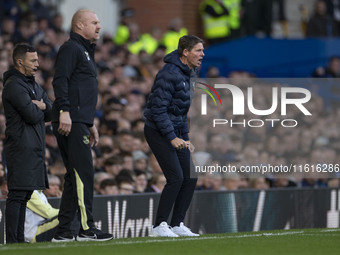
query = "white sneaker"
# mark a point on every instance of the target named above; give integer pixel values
(183, 230)
(162, 230)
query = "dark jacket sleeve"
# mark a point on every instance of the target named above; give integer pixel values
(65, 63)
(22, 102)
(161, 99)
(48, 110)
(185, 130)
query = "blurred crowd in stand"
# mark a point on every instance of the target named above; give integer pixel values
(127, 63)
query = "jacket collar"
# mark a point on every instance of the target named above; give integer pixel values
(15, 72)
(86, 43)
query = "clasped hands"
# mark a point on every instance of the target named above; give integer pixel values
(179, 144)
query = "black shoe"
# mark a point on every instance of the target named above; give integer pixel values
(63, 237)
(93, 234)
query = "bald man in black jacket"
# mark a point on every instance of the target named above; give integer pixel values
(75, 87)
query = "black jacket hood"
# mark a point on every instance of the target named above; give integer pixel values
(15, 72)
(173, 58)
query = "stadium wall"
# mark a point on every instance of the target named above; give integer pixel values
(218, 211)
(162, 12)
(268, 57)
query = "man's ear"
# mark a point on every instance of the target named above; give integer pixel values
(185, 52)
(80, 25)
(19, 62)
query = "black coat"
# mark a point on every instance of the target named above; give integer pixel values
(25, 132)
(75, 80)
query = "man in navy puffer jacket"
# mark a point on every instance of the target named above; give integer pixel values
(166, 131)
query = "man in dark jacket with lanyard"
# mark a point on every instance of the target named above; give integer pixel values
(75, 89)
(27, 108)
(166, 131)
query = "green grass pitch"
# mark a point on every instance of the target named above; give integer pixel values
(300, 242)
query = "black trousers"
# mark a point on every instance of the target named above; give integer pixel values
(15, 214)
(77, 194)
(180, 184)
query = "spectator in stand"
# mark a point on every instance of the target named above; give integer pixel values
(258, 182)
(321, 24)
(36, 7)
(125, 140)
(125, 185)
(138, 42)
(57, 26)
(57, 23)
(220, 148)
(140, 160)
(281, 15)
(281, 180)
(127, 160)
(7, 28)
(141, 181)
(126, 174)
(333, 183)
(57, 168)
(234, 19)
(231, 181)
(333, 10)
(122, 35)
(106, 146)
(108, 187)
(211, 181)
(331, 71)
(27, 28)
(137, 142)
(98, 178)
(257, 17)
(137, 126)
(215, 16)
(113, 165)
(10, 8)
(54, 186)
(174, 32)
(213, 72)
(157, 183)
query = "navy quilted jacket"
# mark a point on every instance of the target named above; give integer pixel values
(169, 100)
